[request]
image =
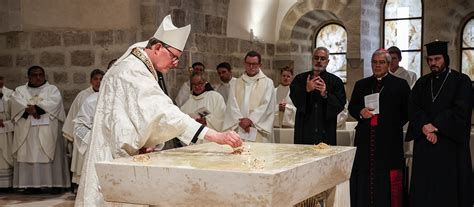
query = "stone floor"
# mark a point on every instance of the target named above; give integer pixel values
(17, 199)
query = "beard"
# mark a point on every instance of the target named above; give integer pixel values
(319, 68)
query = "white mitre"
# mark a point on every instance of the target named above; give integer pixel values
(167, 33)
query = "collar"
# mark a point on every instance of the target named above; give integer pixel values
(249, 79)
(142, 56)
(29, 85)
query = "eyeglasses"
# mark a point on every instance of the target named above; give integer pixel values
(174, 57)
(381, 62)
(319, 58)
(253, 65)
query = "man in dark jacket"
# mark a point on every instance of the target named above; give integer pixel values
(319, 96)
(380, 105)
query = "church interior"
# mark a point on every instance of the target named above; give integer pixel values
(71, 38)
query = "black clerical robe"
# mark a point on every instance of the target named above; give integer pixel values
(376, 156)
(316, 116)
(441, 171)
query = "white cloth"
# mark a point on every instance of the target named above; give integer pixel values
(39, 150)
(183, 94)
(403, 73)
(224, 88)
(132, 112)
(342, 117)
(6, 139)
(259, 108)
(68, 127)
(82, 134)
(36, 144)
(213, 102)
(287, 118)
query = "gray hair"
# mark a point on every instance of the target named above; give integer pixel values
(322, 48)
(383, 52)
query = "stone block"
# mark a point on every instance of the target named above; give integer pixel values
(222, 8)
(270, 49)
(148, 15)
(175, 3)
(245, 46)
(45, 39)
(282, 48)
(74, 38)
(79, 78)
(259, 47)
(294, 47)
(214, 24)
(299, 35)
(197, 20)
(193, 5)
(126, 37)
(60, 77)
(12, 40)
(108, 55)
(6, 60)
(201, 42)
(51, 59)
(179, 17)
(103, 37)
(232, 45)
(82, 58)
(24, 60)
(217, 45)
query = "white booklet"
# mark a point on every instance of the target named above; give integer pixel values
(250, 136)
(372, 102)
(7, 128)
(44, 120)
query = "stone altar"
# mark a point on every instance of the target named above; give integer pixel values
(210, 175)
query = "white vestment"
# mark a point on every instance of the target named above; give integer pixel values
(81, 132)
(210, 100)
(253, 98)
(68, 127)
(132, 112)
(183, 94)
(287, 117)
(39, 149)
(405, 74)
(68, 130)
(6, 139)
(224, 88)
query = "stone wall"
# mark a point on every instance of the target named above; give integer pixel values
(208, 42)
(300, 26)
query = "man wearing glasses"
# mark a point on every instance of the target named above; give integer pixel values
(251, 103)
(319, 96)
(379, 103)
(133, 112)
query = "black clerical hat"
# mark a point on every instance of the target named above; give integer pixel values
(437, 48)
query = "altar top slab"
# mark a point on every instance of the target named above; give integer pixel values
(270, 158)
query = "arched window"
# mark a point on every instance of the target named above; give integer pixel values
(403, 22)
(467, 49)
(334, 37)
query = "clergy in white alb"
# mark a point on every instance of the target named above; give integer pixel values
(185, 90)
(6, 137)
(68, 128)
(224, 71)
(251, 105)
(134, 113)
(82, 133)
(204, 101)
(38, 147)
(285, 110)
(399, 71)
